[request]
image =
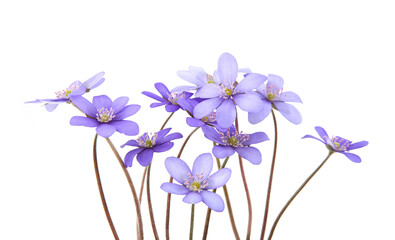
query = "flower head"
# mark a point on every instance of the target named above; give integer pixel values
(339, 144)
(168, 99)
(198, 77)
(75, 89)
(147, 144)
(225, 95)
(196, 183)
(208, 120)
(107, 116)
(232, 141)
(272, 96)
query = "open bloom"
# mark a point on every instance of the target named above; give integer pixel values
(272, 95)
(105, 115)
(147, 144)
(198, 77)
(75, 89)
(168, 99)
(338, 144)
(225, 96)
(196, 183)
(232, 141)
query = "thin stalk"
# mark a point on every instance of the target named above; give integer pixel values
(167, 224)
(151, 212)
(140, 234)
(103, 199)
(192, 221)
(269, 188)
(149, 201)
(245, 188)
(295, 194)
(229, 207)
(248, 198)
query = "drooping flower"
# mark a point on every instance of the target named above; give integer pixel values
(168, 99)
(225, 96)
(196, 183)
(272, 95)
(75, 89)
(232, 141)
(339, 144)
(147, 144)
(105, 115)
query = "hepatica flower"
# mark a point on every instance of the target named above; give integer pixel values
(75, 89)
(106, 116)
(197, 76)
(195, 184)
(149, 143)
(168, 99)
(339, 144)
(210, 120)
(272, 95)
(232, 141)
(225, 96)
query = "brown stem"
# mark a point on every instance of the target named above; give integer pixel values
(103, 199)
(245, 188)
(140, 234)
(295, 194)
(151, 212)
(167, 224)
(229, 207)
(269, 188)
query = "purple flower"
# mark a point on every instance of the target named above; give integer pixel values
(75, 89)
(198, 77)
(272, 95)
(227, 94)
(210, 120)
(147, 144)
(196, 183)
(105, 115)
(338, 144)
(231, 141)
(169, 99)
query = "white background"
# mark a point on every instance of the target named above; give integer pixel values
(337, 55)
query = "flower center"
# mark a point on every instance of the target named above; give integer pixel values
(341, 144)
(196, 182)
(66, 92)
(173, 97)
(228, 90)
(234, 139)
(272, 92)
(104, 115)
(147, 140)
(209, 78)
(209, 118)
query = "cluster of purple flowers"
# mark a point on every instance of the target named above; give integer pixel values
(212, 104)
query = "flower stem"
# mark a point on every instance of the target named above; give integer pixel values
(192, 221)
(140, 234)
(148, 171)
(167, 224)
(269, 188)
(245, 188)
(295, 194)
(103, 199)
(208, 214)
